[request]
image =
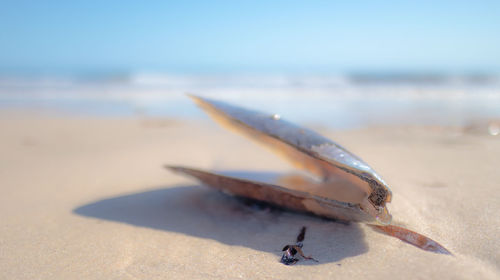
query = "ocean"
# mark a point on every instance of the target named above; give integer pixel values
(336, 101)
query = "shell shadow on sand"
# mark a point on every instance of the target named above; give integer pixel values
(202, 212)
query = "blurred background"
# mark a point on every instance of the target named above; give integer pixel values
(342, 64)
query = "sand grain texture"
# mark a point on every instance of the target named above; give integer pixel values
(89, 199)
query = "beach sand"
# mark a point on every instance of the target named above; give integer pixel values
(88, 198)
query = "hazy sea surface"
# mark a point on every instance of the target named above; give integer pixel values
(338, 101)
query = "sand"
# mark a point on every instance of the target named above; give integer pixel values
(88, 198)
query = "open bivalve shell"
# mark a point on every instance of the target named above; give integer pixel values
(341, 186)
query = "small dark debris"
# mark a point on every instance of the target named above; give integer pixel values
(290, 251)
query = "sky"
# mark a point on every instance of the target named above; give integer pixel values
(249, 36)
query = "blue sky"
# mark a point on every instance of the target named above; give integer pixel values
(249, 36)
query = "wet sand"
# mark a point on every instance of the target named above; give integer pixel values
(88, 198)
